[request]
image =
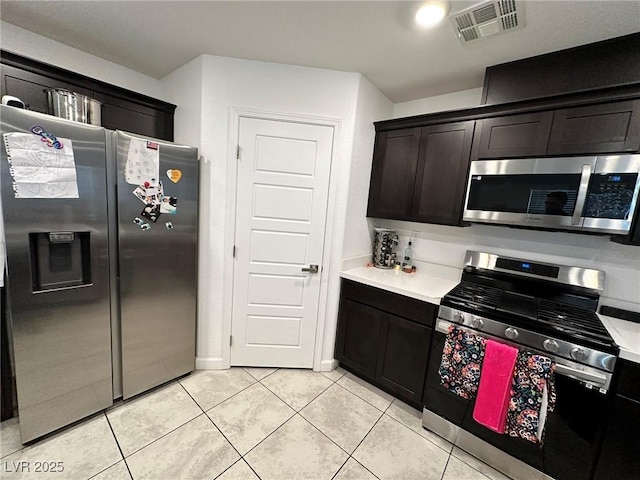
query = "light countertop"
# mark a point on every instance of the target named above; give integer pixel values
(626, 334)
(431, 282)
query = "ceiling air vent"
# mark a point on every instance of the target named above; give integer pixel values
(487, 18)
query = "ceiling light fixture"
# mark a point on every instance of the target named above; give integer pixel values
(431, 13)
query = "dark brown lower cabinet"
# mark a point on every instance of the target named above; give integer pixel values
(358, 337)
(402, 358)
(384, 338)
(620, 457)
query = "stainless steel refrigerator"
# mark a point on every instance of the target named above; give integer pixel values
(101, 255)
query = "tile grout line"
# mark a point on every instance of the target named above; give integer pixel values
(445, 467)
(162, 436)
(364, 399)
(221, 432)
(363, 439)
(22, 447)
(296, 412)
(124, 459)
(413, 431)
(229, 442)
(325, 435)
(474, 468)
(377, 477)
(219, 403)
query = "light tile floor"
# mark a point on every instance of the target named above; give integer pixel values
(247, 423)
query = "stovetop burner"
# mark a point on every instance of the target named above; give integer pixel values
(550, 306)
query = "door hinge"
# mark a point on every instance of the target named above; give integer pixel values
(234, 251)
(231, 340)
(238, 152)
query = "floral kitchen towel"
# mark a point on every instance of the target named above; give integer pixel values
(533, 395)
(462, 358)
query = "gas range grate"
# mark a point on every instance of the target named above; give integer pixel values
(572, 320)
(474, 293)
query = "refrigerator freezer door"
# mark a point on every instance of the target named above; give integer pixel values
(58, 281)
(157, 262)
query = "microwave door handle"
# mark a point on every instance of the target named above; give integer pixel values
(582, 194)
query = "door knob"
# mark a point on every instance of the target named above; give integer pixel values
(310, 269)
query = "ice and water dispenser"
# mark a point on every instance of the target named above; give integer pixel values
(60, 260)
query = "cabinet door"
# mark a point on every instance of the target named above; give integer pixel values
(402, 361)
(29, 87)
(619, 457)
(120, 114)
(395, 157)
(607, 128)
(358, 337)
(525, 135)
(441, 177)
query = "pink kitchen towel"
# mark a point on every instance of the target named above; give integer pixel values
(495, 386)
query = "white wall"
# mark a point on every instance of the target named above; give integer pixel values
(184, 88)
(232, 84)
(449, 101)
(28, 44)
(372, 106)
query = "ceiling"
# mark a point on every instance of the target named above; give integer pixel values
(375, 38)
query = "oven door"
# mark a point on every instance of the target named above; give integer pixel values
(573, 431)
(533, 192)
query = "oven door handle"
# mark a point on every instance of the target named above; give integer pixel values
(585, 176)
(587, 377)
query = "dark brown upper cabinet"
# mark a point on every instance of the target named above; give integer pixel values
(395, 157)
(592, 129)
(441, 177)
(604, 128)
(419, 174)
(121, 109)
(525, 135)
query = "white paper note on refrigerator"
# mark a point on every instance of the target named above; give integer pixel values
(143, 162)
(40, 169)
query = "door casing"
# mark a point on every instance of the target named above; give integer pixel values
(230, 214)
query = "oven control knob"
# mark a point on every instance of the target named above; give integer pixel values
(477, 322)
(579, 354)
(551, 345)
(458, 317)
(511, 333)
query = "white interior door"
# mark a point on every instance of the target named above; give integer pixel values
(281, 207)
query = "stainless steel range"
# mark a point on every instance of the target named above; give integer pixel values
(541, 308)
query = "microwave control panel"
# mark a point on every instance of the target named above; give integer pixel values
(610, 195)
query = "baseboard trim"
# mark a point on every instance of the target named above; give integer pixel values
(328, 365)
(210, 363)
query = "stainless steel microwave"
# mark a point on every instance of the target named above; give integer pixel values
(590, 194)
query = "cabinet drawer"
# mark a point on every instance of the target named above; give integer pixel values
(410, 308)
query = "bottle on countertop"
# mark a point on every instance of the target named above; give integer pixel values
(407, 261)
